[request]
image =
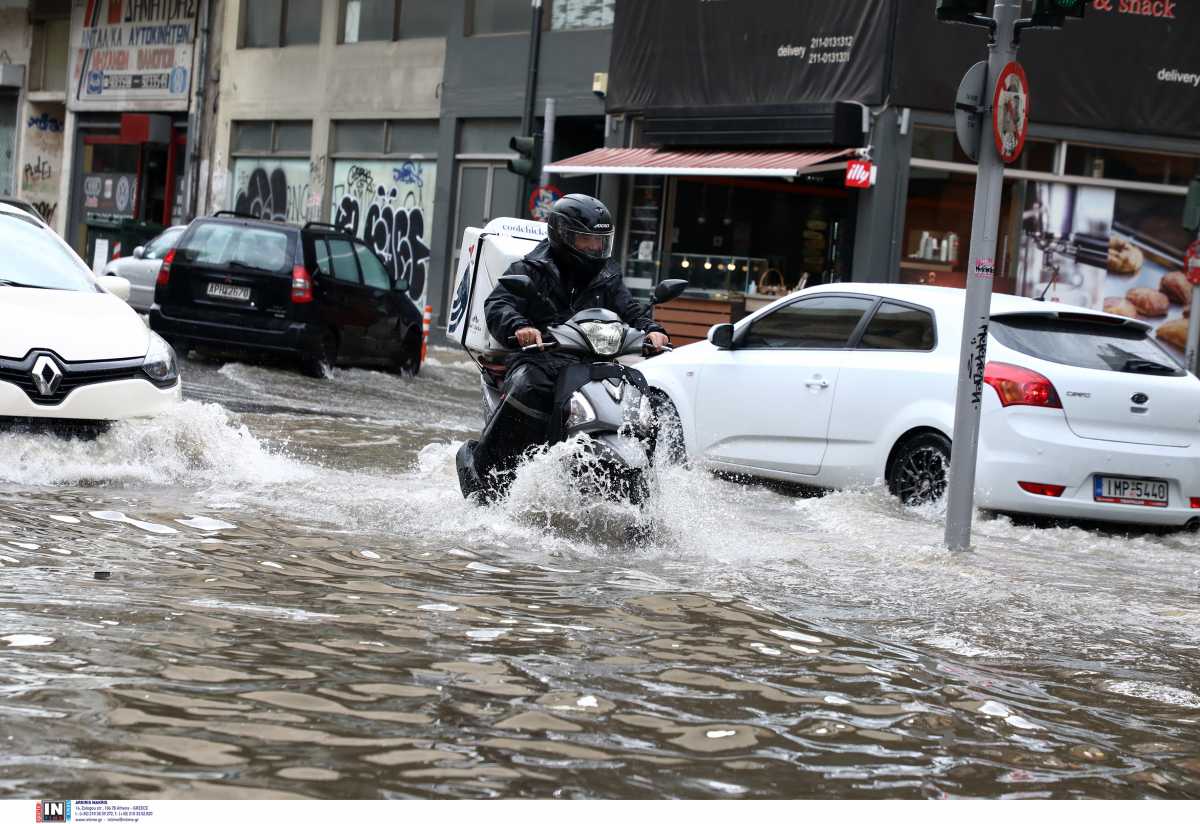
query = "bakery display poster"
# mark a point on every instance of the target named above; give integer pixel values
(1114, 250)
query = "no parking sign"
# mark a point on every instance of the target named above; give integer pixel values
(541, 200)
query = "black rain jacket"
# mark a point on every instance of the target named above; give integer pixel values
(507, 312)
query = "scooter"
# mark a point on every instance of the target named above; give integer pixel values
(604, 402)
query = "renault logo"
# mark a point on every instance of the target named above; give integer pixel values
(1141, 399)
(46, 375)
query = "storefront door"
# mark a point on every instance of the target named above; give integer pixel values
(124, 191)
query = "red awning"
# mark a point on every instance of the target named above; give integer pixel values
(717, 163)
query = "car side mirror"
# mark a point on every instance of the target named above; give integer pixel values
(721, 336)
(139, 252)
(114, 285)
(668, 290)
(519, 285)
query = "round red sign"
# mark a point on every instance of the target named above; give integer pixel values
(1193, 263)
(541, 200)
(1010, 112)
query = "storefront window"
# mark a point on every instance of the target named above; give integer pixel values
(937, 230)
(942, 144)
(1120, 164)
(644, 215)
(751, 237)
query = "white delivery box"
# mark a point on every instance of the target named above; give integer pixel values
(484, 257)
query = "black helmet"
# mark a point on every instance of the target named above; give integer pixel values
(581, 231)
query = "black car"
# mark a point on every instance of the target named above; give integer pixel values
(236, 283)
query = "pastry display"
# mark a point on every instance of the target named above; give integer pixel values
(1123, 257)
(1149, 302)
(1120, 306)
(1174, 332)
(1177, 287)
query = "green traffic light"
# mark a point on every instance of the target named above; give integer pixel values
(1059, 8)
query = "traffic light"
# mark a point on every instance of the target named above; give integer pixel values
(529, 161)
(962, 11)
(1050, 9)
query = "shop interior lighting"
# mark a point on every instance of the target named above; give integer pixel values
(732, 266)
(708, 264)
(686, 263)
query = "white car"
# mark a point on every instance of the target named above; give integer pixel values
(142, 267)
(71, 352)
(1084, 414)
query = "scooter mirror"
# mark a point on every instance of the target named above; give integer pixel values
(519, 285)
(669, 290)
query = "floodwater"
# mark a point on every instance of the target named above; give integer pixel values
(294, 601)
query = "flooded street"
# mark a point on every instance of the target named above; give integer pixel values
(293, 600)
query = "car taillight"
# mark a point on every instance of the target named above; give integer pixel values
(1050, 490)
(164, 271)
(301, 285)
(1017, 386)
(1195, 503)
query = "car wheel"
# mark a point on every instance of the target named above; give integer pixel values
(408, 362)
(320, 364)
(919, 469)
(668, 430)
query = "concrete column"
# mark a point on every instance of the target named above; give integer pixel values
(879, 223)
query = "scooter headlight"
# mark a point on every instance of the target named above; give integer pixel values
(159, 364)
(605, 337)
(581, 411)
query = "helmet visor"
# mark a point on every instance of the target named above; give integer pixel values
(595, 245)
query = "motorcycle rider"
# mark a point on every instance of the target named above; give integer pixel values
(571, 270)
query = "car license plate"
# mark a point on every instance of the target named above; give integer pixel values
(224, 290)
(1132, 491)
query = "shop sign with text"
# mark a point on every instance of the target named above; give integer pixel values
(132, 51)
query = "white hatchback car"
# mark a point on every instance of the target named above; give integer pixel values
(1084, 414)
(71, 352)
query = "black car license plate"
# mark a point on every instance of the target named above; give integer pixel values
(229, 292)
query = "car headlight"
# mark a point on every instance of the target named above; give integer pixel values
(605, 338)
(160, 365)
(581, 411)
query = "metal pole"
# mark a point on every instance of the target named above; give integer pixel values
(1193, 340)
(548, 140)
(192, 150)
(977, 312)
(535, 46)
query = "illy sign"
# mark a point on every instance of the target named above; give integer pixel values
(860, 174)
